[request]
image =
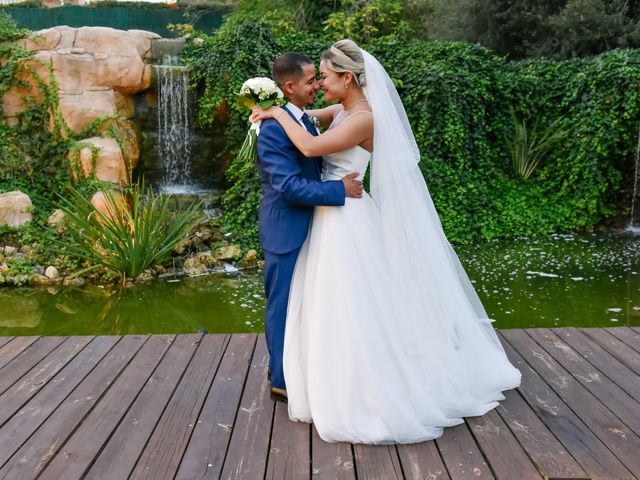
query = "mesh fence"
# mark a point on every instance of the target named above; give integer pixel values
(123, 18)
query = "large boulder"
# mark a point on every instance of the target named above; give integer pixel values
(76, 71)
(108, 165)
(116, 206)
(57, 218)
(82, 108)
(130, 145)
(13, 101)
(15, 208)
(114, 42)
(97, 69)
(125, 105)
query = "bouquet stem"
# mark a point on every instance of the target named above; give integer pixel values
(249, 151)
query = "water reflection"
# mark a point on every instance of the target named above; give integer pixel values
(561, 280)
(216, 303)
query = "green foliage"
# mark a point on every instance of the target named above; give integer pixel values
(33, 148)
(24, 4)
(8, 28)
(365, 21)
(128, 239)
(530, 145)
(515, 28)
(587, 27)
(306, 15)
(34, 145)
(459, 99)
(544, 28)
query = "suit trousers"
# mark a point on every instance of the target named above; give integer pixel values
(278, 271)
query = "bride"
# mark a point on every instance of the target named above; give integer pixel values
(386, 340)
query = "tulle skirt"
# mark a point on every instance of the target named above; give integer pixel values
(367, 363)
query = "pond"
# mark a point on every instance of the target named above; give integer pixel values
(560, 280)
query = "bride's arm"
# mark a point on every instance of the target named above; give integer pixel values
(325, 115)
(346, 135)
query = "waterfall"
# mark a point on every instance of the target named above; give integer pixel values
(174, 149)
(632, 227)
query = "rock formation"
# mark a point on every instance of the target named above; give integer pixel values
(15, 208)
(97, 69)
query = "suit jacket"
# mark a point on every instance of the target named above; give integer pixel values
(291, 188)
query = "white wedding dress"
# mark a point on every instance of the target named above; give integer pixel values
(369, 358)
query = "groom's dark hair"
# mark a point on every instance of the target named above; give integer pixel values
(289, 66)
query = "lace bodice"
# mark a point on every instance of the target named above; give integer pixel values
(354, 159)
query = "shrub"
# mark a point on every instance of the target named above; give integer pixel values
(459, 99)
(128, 238)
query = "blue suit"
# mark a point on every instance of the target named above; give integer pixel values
(291, 188)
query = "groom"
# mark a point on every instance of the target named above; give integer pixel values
(291, 188)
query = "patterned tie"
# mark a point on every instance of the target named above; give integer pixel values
(309, 124)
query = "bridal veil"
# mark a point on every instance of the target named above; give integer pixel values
(421, 258)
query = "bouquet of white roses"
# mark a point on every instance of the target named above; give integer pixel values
(257, 91)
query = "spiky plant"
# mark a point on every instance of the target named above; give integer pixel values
(132, 235)
(530, 145)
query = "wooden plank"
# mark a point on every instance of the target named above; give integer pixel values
(544, 449)
(624, 377)
(606, 391)
(626, 335)
(207, 448)
(249, 446)
(171, 435)
(4, 341)
(422, 461)
(587, 448)
(78, 452)
(377, 462)
(31, 383)
(24, 362)
(20, 427)
(119, 456)
(461, 455)
(15, 347)
(331, 461)
(34, 454)
(501, 449)
(617, 436)
(290, 446)
(615, 347)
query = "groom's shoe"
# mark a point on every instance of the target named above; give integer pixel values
(279, 395)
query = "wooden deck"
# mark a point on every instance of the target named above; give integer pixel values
(189, 407)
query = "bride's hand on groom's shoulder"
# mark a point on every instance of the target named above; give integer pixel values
(259, 114)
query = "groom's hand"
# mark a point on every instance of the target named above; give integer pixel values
(352, 187)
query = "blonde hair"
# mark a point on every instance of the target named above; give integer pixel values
(345, 56)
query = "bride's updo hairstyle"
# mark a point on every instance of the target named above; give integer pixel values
(345, 56)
